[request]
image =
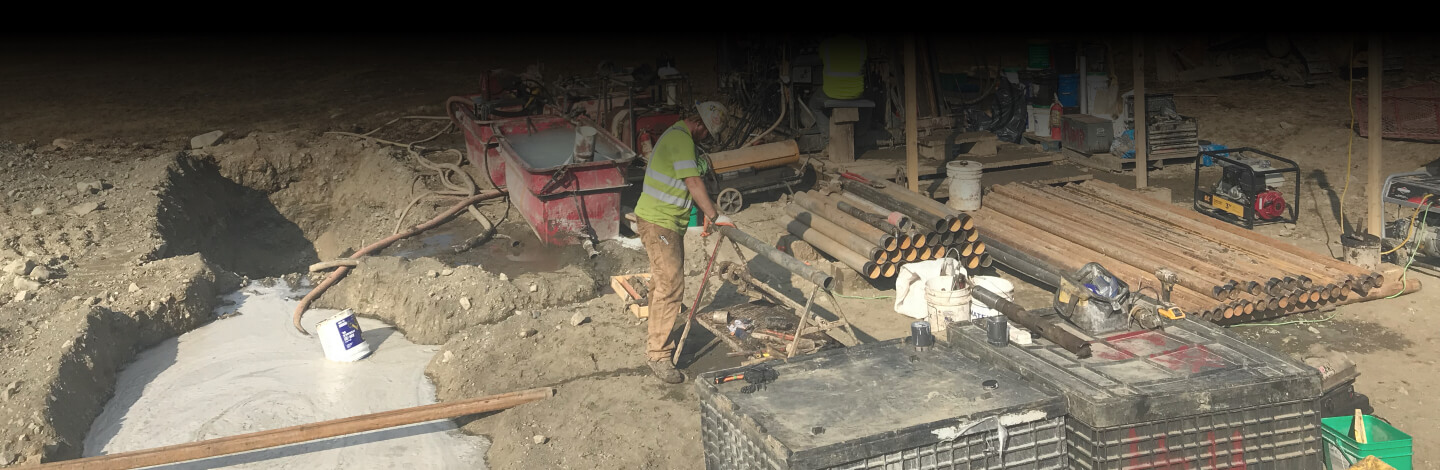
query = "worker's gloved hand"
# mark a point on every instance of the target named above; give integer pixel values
(710, 224)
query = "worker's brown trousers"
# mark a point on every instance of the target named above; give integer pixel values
(667, 286)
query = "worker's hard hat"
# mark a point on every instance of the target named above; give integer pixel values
(712, 114)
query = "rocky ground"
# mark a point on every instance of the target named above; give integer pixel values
(115, 233)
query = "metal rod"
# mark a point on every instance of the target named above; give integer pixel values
(875, 220)
(795, 266)
(897, 219)
(1048, 329)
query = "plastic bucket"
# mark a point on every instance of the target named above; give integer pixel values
(1039, 120)
(964, 184)
(341, 338)
(1069, 89)
(943, 304)
(1386, 443)
(1001, 287)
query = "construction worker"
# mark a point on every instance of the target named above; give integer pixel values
(843, 78)
(672, 185)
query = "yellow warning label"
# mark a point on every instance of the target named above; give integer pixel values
(1228, 206)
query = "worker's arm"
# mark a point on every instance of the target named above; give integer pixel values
(701, 197)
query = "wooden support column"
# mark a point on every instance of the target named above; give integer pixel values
(912, 118)
(1142, 158)
(1375, 64)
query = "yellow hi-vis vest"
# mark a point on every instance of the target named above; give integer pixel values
(844, 58)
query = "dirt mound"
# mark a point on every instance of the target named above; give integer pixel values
(539, 349)
(625, 421)
(608, 413)
(427, 305)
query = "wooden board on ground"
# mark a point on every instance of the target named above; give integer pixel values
(1044, 141)
(1011, 156)
(883, 163)
(618, 284)
(1108, 162)
(1049, 175)
(943, 145)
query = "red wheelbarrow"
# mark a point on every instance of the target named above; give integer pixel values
(566, 201)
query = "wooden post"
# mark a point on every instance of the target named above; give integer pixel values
(1142, 158)
(305, 432)
(912, 118)
(1375, 216)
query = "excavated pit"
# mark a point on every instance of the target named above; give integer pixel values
(177, 233)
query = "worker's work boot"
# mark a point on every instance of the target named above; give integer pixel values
(666, 371)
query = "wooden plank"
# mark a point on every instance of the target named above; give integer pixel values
(305, 432)
(1142, 172)
(622, 287)
(1108, 162)
(755, 154)
(1044, 141)
(1049, 174)
(912, 118)
(842, 141)
(1374, 220)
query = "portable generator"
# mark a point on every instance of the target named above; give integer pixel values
(1252, 188)
(1417, 193)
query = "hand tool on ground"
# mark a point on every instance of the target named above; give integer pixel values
(696, 306)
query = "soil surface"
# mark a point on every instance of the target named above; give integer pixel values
(138, 236)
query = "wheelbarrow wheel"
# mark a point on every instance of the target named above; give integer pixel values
(729, 201)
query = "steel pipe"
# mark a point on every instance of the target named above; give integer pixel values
(795, 266)
(850, 224)
(919, 216)
(852, 241)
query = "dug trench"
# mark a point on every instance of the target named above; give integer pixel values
(175, 230)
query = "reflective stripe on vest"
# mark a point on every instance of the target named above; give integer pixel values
(665, 179)
(683, 203)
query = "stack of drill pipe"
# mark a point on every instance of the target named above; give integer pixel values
(946, 231)
(1319, 281)
(867, 249)
(1226, 273)
(805, 226)
(1198, 268)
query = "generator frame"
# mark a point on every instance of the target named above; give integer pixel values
(1234, 211)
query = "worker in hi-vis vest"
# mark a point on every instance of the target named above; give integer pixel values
(842, 78)
(672, 184)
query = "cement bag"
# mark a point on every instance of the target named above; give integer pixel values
(910, 284)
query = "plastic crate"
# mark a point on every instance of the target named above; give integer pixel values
(1190, 394)
(877, 406)
(1386, 443)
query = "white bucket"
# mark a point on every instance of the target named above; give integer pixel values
(943, 304)
(1039, 120)
(964, 184)
(341, 338)
(1003, 288)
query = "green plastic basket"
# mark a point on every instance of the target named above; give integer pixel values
(1039, 56)
(1386, 443)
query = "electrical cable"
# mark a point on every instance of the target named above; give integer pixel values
(1292, 322)
(1424, 204)
(1405, 273)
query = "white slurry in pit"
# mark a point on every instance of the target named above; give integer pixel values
(252, 372)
